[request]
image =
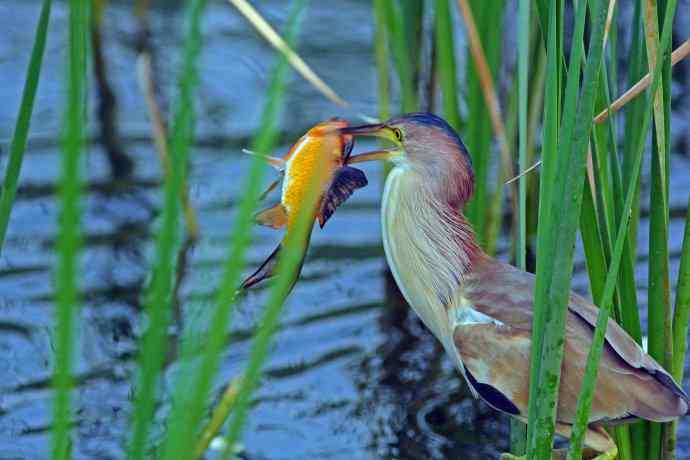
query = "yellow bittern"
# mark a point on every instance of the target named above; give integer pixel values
(481, 309)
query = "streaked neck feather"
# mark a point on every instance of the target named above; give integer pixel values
(432, 240)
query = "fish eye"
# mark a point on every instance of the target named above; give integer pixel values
(398, 134)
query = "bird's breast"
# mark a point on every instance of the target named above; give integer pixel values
(410, 254)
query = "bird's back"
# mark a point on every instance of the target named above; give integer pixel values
(630, 383)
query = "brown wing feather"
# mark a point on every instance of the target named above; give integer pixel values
(630, 383)
(499, 356)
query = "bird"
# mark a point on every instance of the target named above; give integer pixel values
(481, 309)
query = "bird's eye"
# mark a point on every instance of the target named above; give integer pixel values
(398, 134)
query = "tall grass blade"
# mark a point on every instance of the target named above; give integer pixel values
(287, 269)
(659, 302)
(552, 106)
(627, 291)
(445, 52)
(21, 128)
(192, 391)
(589, 381)
(607, 185)
(411, 20)
(382, 68)
(552, 287)
(681, 315)
(518, 431)
(68, 238)
(158, 298)
(587, 391)
(296, 244)
(523, 85)
(610, 197)
(381, 46)
(400, 47)
(218, 418)
(483, 103)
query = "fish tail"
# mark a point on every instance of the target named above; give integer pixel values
(264, 271)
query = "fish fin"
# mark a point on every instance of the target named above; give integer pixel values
(347, 148)
(275, 216)
(346, 181)
(277, 163)
(270, 188)
(264, 271)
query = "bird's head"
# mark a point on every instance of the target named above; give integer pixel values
(425, 144)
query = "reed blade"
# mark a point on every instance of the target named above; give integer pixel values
(69, 231)
(21, 128)
(191, 392)
(445, 52)
(158, 295)
(553, 286)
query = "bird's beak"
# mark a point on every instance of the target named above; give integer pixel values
(376, 130)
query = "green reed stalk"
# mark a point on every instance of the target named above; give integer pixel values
(586, 395)
(536, 106)
(411, 20)
(553, 287)
(287, 270)
(627, 285)
(399, 43)
(218, 417)
(681, 314)
(610, 201)
(192, 391)
(69, 234)
(479, 131)
(637, 68)
(445, 52)
(157, 300)
(659, 302)
(587, 392)
(21, 128)
(518, 430)
(611, 195)
(593, 246)
(597, 224)
(589, 382)
(552, 105)
(382, 69)
(523, 85)
(382, 65)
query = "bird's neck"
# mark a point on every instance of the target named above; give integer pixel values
(428, 240)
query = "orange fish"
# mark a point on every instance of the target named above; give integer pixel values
(324, 148)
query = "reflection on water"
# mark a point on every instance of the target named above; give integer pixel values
(352, 374)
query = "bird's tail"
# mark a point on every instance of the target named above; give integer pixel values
(668, 402)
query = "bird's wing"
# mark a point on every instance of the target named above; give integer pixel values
(505, 294)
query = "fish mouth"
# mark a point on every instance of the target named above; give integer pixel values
(380, 130)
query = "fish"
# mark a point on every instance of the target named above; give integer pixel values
(322, 150)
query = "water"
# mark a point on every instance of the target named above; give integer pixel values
(352, 375)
